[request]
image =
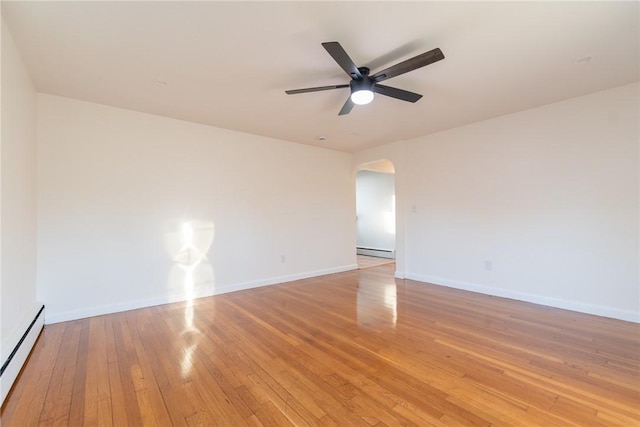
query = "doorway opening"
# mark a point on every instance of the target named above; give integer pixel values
(375, 214)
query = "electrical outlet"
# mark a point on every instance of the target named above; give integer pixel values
(414, 208)
(283, 258)
(488, 265)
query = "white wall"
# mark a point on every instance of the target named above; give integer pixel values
(18, 202)
(375, 210)
(116, 188)
(548, 196)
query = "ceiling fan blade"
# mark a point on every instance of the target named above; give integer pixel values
(394, 92)
(409, 65)
(314, 89)
(347, 107)
(340, 56)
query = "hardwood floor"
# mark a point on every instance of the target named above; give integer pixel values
(365, 261)
(356, 348)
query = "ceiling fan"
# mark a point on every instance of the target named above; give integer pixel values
(363, 86)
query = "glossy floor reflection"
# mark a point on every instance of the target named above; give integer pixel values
(355, 348)
(377, 303)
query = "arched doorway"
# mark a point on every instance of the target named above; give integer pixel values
(375, 213)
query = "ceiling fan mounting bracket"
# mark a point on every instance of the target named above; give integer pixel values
(364, 71)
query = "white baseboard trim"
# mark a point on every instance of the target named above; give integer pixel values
(598, 310)
(18, 351)
(400, 275)
(218, 290)
(283, 279)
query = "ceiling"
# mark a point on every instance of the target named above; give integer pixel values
(227, 64)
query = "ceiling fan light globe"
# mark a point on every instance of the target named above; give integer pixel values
(362, 97)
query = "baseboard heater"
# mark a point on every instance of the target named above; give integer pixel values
(380, 253)
(18, 356)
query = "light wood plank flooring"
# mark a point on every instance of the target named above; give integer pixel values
(365, 261)
(356, 348)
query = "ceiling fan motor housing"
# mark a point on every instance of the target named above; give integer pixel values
(361, 90)
(365, 84)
